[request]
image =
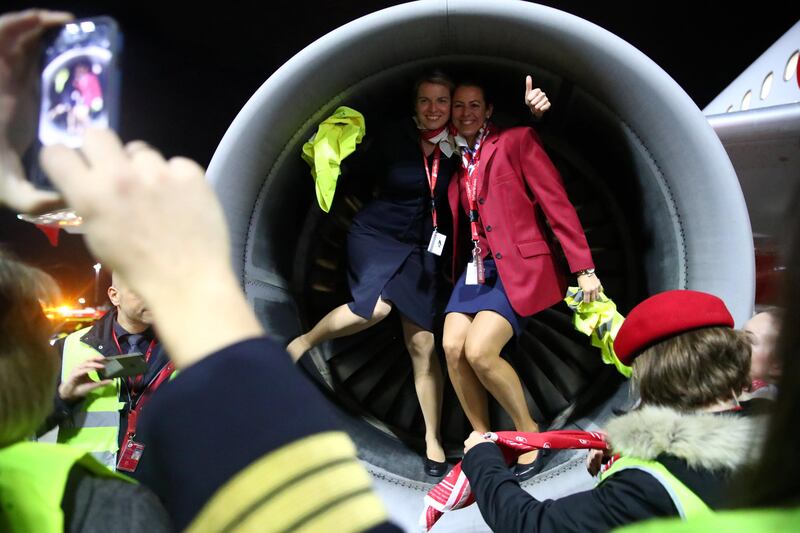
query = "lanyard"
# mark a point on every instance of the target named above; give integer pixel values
(133, 382)
(154, 384)
(433, 174)
(470, 160)
(133, 416)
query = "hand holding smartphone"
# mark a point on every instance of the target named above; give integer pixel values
(79, 86)
(79, 82)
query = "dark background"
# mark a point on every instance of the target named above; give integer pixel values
(188, 70)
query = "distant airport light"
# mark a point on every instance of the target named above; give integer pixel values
(746, 100)
(82, 301)
(791, 66)
(766, 86)
(97, 267)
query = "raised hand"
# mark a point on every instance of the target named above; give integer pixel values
(535, 99)
(19, 50)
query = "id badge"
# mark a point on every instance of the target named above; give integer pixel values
(437, 243)
(129, 456)
(472, 274)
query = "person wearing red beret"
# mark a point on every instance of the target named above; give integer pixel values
(674, 454)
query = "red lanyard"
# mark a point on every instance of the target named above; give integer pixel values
(160, 378)
(133, 416)
(470, 159)
(433, 174)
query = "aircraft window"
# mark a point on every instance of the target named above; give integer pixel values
(746, 100)
(730, 109)
(791, 66)
(766, 86)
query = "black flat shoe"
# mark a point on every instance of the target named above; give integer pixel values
(525, 472)
(435, 468)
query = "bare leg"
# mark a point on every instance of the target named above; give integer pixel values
(428, 383)
(487, 336)
(338, 323)
(471, 393)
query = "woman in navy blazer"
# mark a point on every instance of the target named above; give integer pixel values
(505, 185)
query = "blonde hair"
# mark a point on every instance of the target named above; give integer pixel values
(694, 369)
(28, 365)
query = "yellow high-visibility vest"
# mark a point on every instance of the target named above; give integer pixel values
(688, 504)
(94, 425)
(33, 477)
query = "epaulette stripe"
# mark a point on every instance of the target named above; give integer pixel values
(302, 500)
(285, 485)
(265, 498)
(357, 511)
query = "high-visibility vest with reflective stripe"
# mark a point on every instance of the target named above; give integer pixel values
(33, 477)
(687, 503)
(94, 424)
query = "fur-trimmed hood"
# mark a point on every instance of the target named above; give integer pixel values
(705, 441)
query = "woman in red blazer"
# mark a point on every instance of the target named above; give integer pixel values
(505, 185)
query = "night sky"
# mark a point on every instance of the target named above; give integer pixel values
(187, 71)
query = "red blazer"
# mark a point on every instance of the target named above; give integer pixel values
(516, 180)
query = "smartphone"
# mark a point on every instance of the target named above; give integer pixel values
(123, 366)
(79, 84)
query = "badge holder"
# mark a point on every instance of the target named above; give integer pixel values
(476, 274)
(130, 455)
(436, 244)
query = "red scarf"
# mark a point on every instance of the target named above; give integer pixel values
(453, 492)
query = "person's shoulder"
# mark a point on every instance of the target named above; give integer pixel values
(102, 503)
(518, 136)
(518, 133)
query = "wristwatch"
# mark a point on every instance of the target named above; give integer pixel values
(585, 272)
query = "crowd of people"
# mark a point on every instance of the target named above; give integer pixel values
(692, 446)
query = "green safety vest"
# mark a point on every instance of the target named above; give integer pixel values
(94, 425)
(33, 477)
(688, 504)
(749, 520)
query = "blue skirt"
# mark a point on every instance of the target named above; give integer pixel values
(399, 272)
(489, 296)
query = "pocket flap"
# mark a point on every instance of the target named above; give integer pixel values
(533, 248)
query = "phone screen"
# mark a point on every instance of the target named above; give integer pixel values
(79, 81)
(126, 365)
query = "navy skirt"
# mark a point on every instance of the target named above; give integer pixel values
(399, 272)
(489, 296)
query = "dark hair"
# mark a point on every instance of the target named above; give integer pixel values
(28, 366)
(775, 481)
(488, 97)
(436, 77)
(694, 369)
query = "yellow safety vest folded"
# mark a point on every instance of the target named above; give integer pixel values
(601, 322)
(336, 138)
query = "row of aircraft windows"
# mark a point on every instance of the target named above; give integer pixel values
(766, 85)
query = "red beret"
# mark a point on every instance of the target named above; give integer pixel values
(665, 315)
